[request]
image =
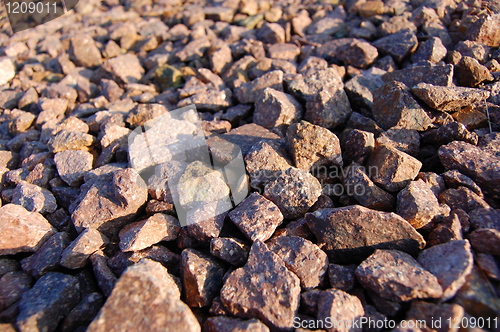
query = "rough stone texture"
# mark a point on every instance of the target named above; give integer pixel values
(340, 306)
(392, 169)
(478, 164)
(451, 263)
(405, 140)
(358, 146)
(485, 218)
(352, 233)
(441, 75)
(307, 86)
(230, 250)
(47, 257)
(396, 276)
(359, 186)
(342, 276)
(431, 50)
(72, 165)
(22, 231)
(123, 69)
(462, 198)
(34, 198)
(417, 204)
(119, 194)
(430, 313)
(328, 108)
(263, 288)
(227, 324)
(486, 240)
(51, 298)
(201, 277)
(294, 191)
(257, 217)
(397, 45)
(276, 109)
(455, 179)
(145, 298)
(84, 312)
(7, 69)
(142, 234)
(357, 53)
(312, 146)
(83, 51)
(450, 132)
(12, 286)
(264, 160)
(360, 88)
(448, 99)
(76, 254)
(394, 106)
(470, 72)
(250, 92)
(302, 257)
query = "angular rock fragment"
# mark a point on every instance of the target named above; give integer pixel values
(394, 106)
(12, 286)
(34, 198)
(145, 298)
(84, 312)
(451, 263)
(405, 140)
(438, 75)
(305, 87)
(485, 218)
(342, 276)
(230, 250)
(264, 161)
(328, 108)
(450, 132)
(357, 53)
(69, 140)
(227, 324)
(52, 297)
(142, 234)
(396, 276)
(257, 217)
(302, 257)
(485, 30)
(391, 168)
(22, 231)
(76, 254)
(72, 165)
(276, 109)
(119, 196)
(352, 233)
(359, 186)
(448, 99)
(470, 72)
(83, 51)
(271, 33)
(294, 191)
(7, 69)
(340, 306)
(430, 313)
(474, 162)
(397, 45)
(201, 277)
(455, 179)
(358, 146)
(417, 204)
(361, 87)
(463, 198)
(486, 240)
(250, 92)
(47, 257)
(264, 288)
(122, 260)
(312, 146)
(431, 50)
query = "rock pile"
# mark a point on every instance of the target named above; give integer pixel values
(369, 132)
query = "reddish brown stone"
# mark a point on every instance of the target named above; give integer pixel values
(294, 191)
(145, 298)
(448, 99)
(358, 146)
(342, 276)
(263, 289)
(391, 168)
(276, 109)
(76, 254)
(352, 233)
(451, 263)
(201, 277)
(486, 240)
(396, 276)
(340, 306)
(313, 146)
(230, 250)
(417, 204)
(302, 257)
(22, 231)
(142, 234)
(227, 324)
(257, 217)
